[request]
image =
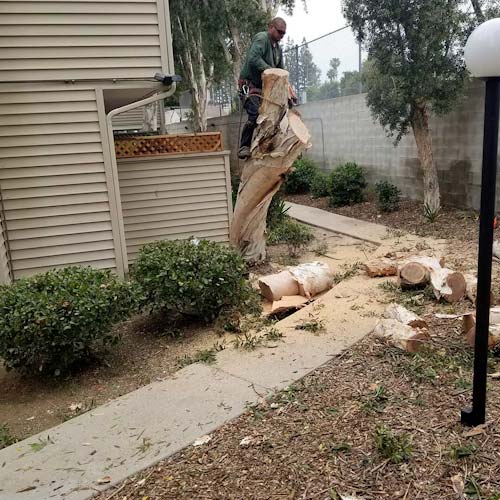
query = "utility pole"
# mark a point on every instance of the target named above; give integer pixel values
(360, 66)
(297, 80)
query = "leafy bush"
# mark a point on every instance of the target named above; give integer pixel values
(388, 196)
(300, 179)
(194, 278)
(52, 321)
(294, 235)
(276, 213)
(319, 186)
(346, 184)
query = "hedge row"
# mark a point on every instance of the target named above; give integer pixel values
(51, 322)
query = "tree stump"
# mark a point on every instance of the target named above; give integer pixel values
(280, 137)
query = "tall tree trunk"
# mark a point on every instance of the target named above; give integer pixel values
(150, 117)
(476, 5)
(278, 140)
(421, 131)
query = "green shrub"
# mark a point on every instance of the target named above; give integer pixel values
(294, 235)
(276, 213)
(388, 196)
(52, 321)
(319, 186)
(300, 179)
(193, 278)
(346, 184)
(6, 438)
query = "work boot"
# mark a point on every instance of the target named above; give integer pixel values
(244, 153)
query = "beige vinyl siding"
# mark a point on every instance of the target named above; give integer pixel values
(132, 120)
(83, 40)
(175, 197)
(53, 181)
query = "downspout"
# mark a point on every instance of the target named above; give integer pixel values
(114, 167)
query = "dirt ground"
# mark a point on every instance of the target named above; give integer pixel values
(150, 351)
(374, 423)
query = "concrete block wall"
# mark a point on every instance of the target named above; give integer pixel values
(343, 130)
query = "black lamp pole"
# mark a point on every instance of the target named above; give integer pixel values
(476, 415)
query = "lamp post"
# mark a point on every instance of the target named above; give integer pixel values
(483, 61)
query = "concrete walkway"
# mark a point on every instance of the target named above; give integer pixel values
(366, 231)
(108, 444)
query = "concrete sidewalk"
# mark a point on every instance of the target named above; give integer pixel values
(104, 446)
(355, 228)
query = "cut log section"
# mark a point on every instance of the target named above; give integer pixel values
(400, 335)
(471, 289)
(280, 137)
(413, 275)
(275, 286)
(402, 328)
(313, 278)
(401, 314)
(469, 327)
(419, 271)
(449, 285)
(306, 280)
(380, 268)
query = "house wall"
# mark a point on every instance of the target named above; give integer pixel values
(64, 40)
(54, 180)
(175, 197)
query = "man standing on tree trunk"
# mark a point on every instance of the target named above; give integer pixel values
(264, 53)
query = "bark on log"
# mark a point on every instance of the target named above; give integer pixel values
(400, 335)
(403, 315)
(401, 328)
(380, 268)
(280, 137)
(313, 278)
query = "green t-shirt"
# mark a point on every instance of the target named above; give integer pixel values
(262, 55)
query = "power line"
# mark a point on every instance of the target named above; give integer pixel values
(295, 47)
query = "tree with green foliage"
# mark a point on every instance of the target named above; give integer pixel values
(485, 9)
(415, 67)
(349, 83)
(210, 40)
(333, 72)
(309, 73)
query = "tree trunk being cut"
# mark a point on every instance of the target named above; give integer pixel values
(280, 137)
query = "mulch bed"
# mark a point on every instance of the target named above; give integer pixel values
(318, 438)
(451, 223)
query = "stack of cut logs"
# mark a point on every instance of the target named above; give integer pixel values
(419, 271)
(404, 329)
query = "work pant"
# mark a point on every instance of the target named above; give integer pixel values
(251, 105)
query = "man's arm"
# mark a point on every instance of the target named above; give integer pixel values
(257, 51)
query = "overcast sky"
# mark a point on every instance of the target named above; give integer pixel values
(324, 16)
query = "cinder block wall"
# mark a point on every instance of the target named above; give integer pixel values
(343, 130)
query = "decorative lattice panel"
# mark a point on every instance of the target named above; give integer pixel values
(168, 144)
